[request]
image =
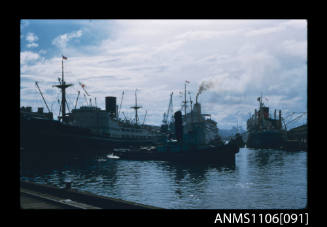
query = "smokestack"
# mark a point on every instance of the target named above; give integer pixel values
(111, 105)
(178, 126)
(197, 108)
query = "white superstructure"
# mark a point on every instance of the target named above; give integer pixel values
(101, 122)
(206, 128)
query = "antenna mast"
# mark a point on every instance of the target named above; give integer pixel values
(63, 87)
(136, 107)
(185, 102)
(190, 100)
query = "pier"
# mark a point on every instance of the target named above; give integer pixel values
(39, 196)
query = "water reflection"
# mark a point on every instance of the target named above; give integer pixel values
(196, 172)
(258, 179)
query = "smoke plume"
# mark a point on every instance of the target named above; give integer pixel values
(205, 85)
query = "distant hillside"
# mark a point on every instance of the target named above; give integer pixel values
(227, 133)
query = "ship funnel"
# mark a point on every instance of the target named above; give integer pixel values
(197, 108)
(111, 105)
(178, 126)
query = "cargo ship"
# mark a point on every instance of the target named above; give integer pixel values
(264, 131)
(88, 128)
(191, 136)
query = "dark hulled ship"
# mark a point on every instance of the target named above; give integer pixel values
(265, 131)
(87, 128)
(191, 136)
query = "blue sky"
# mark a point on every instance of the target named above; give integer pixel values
(240, 59)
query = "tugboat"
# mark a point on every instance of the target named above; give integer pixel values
(87, 128)
(265, 132)
(195, 138)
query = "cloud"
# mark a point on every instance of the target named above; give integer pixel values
(265, 31)
(32, 45)
(28, 56)
(62, 40)
(242, 57)
(297, 24)
(31, 37)
(42, 52)
(278, 28)
(295, 48)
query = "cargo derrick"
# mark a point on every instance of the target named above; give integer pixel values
(168, 116)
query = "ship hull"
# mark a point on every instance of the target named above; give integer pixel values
(52, 136)
(266, 140)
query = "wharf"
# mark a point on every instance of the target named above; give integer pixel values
(38, 196)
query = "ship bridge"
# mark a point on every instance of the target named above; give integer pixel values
(87, 109)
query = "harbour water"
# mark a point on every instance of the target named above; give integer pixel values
(260, 179)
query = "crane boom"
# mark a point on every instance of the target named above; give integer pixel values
(59, 107)
(83, 87)
(86, 100)
(121, 101)
(144, 117)
(77, 99)
(170, 109)
(67, 106)
(298, 117)
(42, 95)
(124, 116)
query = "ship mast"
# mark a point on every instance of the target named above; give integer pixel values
(191, 107)
(136, 107)
(63, 87)
(186, 82)
(185, 100)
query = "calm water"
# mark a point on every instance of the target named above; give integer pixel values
(268, 179)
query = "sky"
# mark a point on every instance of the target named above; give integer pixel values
(236, 60)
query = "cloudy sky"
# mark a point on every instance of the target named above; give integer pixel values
(240, 59)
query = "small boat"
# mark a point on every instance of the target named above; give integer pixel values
(112, 156)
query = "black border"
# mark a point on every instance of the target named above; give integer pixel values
(108, 217)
